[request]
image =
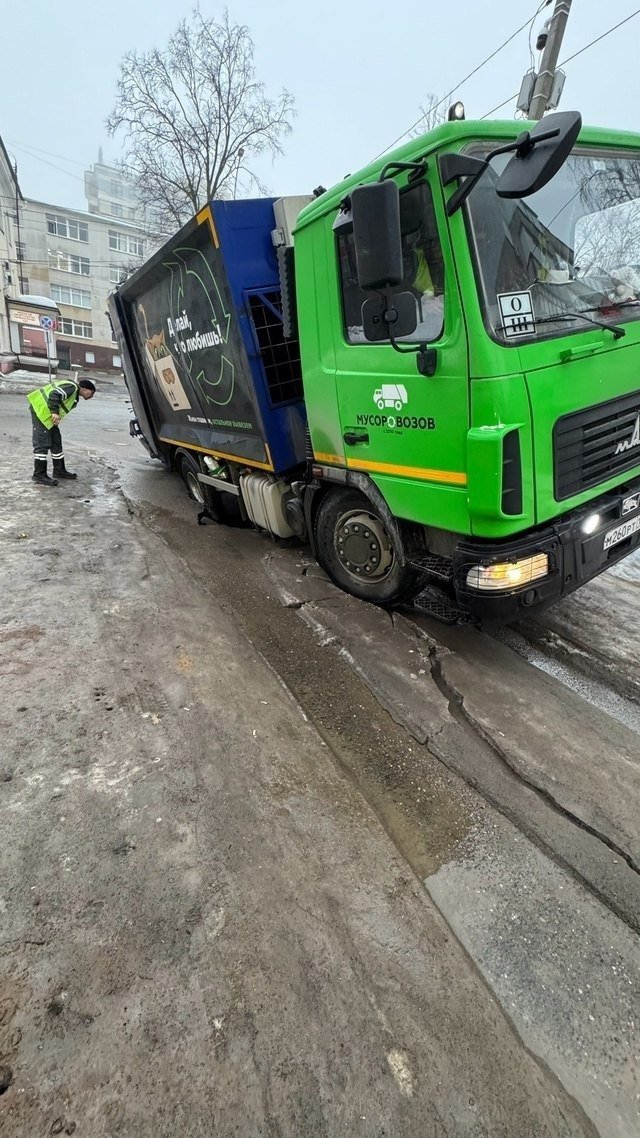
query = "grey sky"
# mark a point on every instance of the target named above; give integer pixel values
(358, 69)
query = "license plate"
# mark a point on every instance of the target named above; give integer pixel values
(621, 532)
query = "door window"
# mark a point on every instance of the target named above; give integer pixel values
(423, 270)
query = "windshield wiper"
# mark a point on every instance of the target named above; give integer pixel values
(615, 329)
(615, 305)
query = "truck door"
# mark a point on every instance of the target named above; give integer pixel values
(407, 430)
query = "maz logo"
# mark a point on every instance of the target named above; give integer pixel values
(634, 441)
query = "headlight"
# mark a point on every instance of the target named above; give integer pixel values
(505, 575)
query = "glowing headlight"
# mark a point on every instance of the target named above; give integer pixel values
(505, 575)
(591, 523)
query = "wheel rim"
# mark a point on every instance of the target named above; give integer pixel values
(363, 546)
(194, 487)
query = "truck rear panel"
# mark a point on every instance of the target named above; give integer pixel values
(201, 328)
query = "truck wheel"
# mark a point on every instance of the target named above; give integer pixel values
(189, 470)
(354, 548)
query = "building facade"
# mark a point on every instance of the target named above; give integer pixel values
(10, 201)
(110, 194)
(76, 258)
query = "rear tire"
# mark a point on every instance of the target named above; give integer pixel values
(355, 549)
(189, 468)
(221, 507)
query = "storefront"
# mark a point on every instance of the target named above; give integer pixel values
(33, 322)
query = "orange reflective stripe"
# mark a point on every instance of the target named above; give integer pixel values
(331, 459)
(217, 453)
(205, 214)
(424, 474)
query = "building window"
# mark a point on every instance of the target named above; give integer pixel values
(24, 286)
(116, 209)
(21, 251)
(69, 263)
(89, 357)
(80, 297)
(117, 361)
(67, 227)
(81, 329)
(115, 188)
(117, 273)
(125, 243)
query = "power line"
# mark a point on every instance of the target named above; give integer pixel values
(502, 104)
(570, 58)
(46, 162)
(31, 152)
(49, 153)
(597, 40)
(529, 19)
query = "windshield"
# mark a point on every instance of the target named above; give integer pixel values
(564, 258)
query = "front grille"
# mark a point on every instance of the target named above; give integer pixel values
(585, 445)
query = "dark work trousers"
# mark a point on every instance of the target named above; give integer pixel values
(45, 439)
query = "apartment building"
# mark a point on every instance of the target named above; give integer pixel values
(111, 194)
(10, 199)
(75, 258)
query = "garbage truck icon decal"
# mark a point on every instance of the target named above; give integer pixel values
(391, 395)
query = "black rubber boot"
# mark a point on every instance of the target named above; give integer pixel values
(60, 470)
(40, 473)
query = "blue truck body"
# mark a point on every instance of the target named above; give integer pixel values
(207, 363)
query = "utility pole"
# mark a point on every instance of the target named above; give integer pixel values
(547, 72)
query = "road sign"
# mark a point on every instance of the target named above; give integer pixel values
(47, 322)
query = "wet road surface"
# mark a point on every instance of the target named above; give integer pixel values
(543, 896)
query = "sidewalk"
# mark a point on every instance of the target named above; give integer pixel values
(204, 927)
(19, 381)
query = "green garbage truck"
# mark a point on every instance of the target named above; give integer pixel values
(430, 373)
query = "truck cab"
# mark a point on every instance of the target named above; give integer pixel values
(510, 459)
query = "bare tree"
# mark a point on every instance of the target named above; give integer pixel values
(433, 111)
(608, 240)
(193, 117)
(607, 234)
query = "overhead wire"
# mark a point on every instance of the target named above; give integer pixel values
(50, 154)
(46, 162)
(475, 71)
(569, 58)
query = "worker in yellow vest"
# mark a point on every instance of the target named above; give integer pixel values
(50, 404)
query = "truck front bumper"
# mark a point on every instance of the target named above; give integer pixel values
(579, 546)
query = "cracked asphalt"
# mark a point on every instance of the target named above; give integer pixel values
(413, 911)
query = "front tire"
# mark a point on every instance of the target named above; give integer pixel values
(355, 549)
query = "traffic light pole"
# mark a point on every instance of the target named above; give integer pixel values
(546, 74)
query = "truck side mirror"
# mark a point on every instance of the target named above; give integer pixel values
(539, 154)
(382, 320)
(375, 210)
